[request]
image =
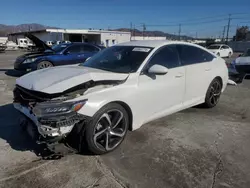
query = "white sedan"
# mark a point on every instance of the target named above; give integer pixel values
(119, 89)
(221, 50)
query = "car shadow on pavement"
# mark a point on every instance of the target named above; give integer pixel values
(19, 140)
(12, 72)
(11, 132)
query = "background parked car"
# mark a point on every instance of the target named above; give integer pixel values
(62, 54)
(240, 67)
(2, 47)
(221, 50)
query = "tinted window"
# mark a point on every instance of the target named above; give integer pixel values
(247, 53)
(122, 59)
(214, 47)
(192, 55)
(74, 49)
(167, 57)
(60, 47)
(225, 47)
(89, 48)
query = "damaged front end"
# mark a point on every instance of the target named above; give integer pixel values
(48, 120)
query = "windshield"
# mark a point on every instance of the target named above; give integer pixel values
(121, 59)
(214, 47)
(247, 53)
(59, 47)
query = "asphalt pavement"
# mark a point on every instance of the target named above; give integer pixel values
(193, 148)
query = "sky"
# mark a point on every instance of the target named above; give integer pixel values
(197, 17)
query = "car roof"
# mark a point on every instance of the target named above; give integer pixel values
(152, 43)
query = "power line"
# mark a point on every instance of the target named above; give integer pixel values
(194, 23)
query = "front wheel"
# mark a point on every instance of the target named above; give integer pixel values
(107, 130)
(213, 93)
(44, 64)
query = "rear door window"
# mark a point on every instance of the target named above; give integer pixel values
(89, 48)
(193, 55)
(74, 49)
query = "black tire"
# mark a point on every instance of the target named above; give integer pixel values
(44, 64)
(213, 93)
(99, 123)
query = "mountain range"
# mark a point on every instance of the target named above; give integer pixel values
(136, 32)
(6, 29)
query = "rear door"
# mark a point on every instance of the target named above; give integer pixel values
(226, 50)
(199, 65)
(88, 51)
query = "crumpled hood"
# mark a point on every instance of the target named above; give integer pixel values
(59, 79)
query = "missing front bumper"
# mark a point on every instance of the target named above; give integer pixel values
(53, 142)
(51, 127)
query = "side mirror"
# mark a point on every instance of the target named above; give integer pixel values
(158, 69)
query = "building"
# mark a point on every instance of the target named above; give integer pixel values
(103, 37)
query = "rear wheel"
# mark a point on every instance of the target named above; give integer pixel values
(107, 130)
(44, 64)
(213, 93)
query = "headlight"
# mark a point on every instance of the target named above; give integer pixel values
(29, 60)
(53, 108)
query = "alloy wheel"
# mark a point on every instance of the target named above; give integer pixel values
(44, 65)
(110, 130)
(215, 93)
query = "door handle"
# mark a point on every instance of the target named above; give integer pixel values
(207, 69)
(179, 75)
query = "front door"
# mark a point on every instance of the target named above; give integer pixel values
(160, 94)
(88, 51)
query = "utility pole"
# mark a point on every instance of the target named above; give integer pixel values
(131, 27)
(223, 33)
(228, 26)
(143, 30)
(134, 31)
(179, 31)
